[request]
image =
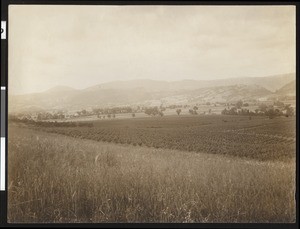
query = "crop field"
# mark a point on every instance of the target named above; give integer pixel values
(258, 138)
(57, 178)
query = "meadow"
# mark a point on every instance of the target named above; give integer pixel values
(73, 178)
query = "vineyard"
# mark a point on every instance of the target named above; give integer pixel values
(256, 138)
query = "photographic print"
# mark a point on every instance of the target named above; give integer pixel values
(151, 114)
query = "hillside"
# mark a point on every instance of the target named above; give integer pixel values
(230, 93)
(150, 92)
(288, 89)
(271, 83)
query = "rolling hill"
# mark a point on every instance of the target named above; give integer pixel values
(271, 83)
(147, 92)
(288, 89)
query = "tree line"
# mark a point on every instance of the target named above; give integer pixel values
(263, 110)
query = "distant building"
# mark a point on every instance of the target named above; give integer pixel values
(263, 99)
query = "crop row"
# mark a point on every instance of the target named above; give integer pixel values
(265, 142)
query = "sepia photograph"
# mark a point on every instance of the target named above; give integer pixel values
(151, 114)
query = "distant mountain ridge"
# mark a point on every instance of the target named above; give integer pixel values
(145, 92)
(271, 83)
(59, 89)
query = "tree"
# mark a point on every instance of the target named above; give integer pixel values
(162, 108)
(239, 104)
(224, 112)
(263, 107)
(191, 111)
(271, 113)
(152, 111)
(61, 116)
(84, 112)
(194, 110)
(233, 111)
(289, 110)
(39, 117)
(148, 111)
(178, 111)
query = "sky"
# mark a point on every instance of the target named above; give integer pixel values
(82, 46)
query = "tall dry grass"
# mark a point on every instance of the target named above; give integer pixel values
(54, 178)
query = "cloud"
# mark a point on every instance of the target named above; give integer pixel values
(80, 46)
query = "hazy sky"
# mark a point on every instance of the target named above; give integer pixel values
(80, 46)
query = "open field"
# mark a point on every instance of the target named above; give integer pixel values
(258, 138)
(55, 178)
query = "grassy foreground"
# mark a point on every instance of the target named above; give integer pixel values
(55, 178)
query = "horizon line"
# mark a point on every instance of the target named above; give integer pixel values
(147, 79)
